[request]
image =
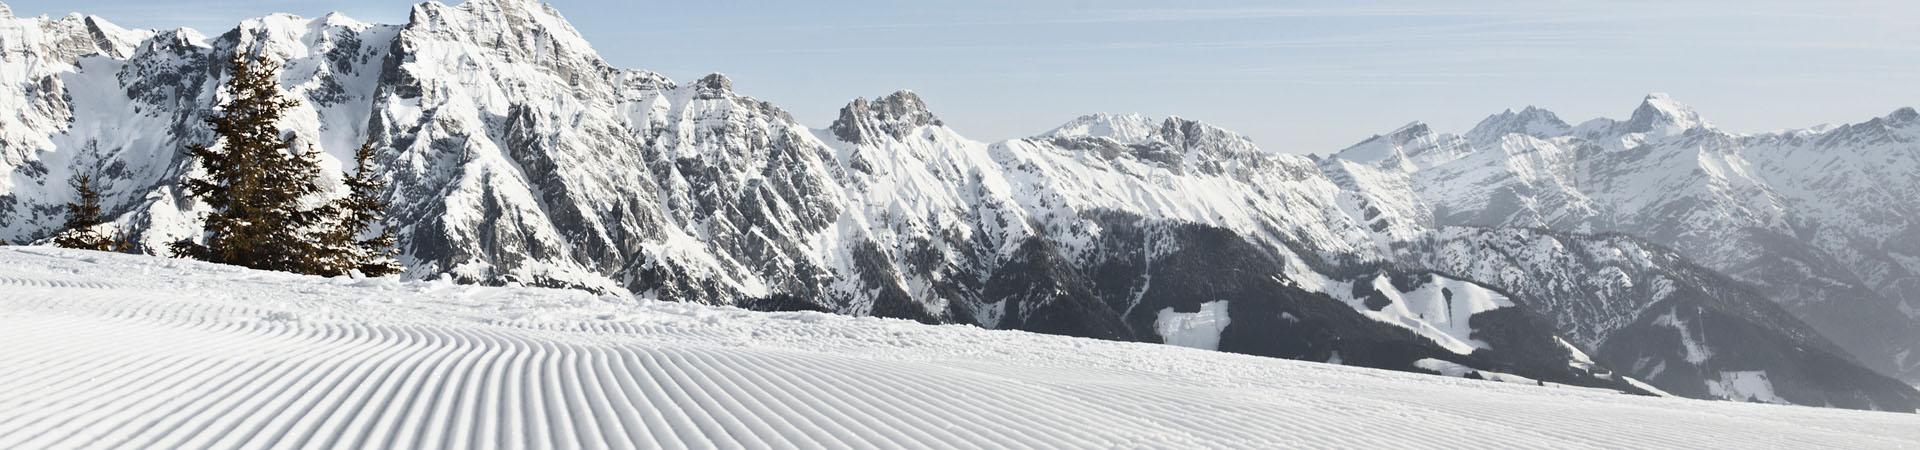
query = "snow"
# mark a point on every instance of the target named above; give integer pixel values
(1646, 387)
(1531, 121)
(1697, 351)
(1441, 310)
(1452, 369)
(649, 175)
(1580, 359)
(515, 154)
(1199, 330)
(1745, 385)
(126, 351)
(1675, 117)
(1803, 214)
(1127, 128)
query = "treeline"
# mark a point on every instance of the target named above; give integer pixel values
(260, 185)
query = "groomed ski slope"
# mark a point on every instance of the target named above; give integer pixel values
(116, 351)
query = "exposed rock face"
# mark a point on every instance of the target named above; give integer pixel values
(516, 155)
(895, 115)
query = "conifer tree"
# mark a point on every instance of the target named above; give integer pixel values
(256, 180)
(360, 210)
(82, 219)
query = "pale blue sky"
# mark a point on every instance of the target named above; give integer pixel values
(1298, 77)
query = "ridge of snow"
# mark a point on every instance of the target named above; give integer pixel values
(1125, 128)
(1410, 148)
(1453, 369)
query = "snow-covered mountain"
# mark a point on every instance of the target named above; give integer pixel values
(1823, 220)
(1650, 312)
(517, 155)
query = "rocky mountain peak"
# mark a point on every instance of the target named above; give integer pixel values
(519, 7)
(1531, 121)
(339, 19)
(66, 39)
(1906, 114)
(532, 38)
(1201, 142)
(1878, 130)
(1126, 128)
(714, 82)
(1385, 147)
(1409, 133)
(1417, 146)
(1660, 114)
(5, 11)
(904, 106)
(644, 80)
(505, 23)
(274, 29)
(896, 115)
(113, 40)
(1199, 136)
(174, 41)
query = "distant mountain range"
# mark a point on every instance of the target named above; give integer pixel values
(1824, 221)
(1656, 254)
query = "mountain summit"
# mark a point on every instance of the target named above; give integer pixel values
(1531, 121)
(1661, 115)
(894, 115)
(1125, 128)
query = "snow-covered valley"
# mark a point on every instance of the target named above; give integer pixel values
(121, 351)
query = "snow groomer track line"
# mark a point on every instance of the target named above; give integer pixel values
(175, 354)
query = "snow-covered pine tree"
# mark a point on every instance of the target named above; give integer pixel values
(82, 219)
(256, 180)
(360, 210)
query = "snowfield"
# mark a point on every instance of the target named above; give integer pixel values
(118, 351)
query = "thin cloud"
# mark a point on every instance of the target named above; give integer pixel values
(1220, 14)
(1098, 16)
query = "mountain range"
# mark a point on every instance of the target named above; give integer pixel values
(1656, 255)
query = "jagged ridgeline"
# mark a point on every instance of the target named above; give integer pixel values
(512, 153)
(1822, 221)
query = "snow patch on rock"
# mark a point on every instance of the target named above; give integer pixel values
(1199, 330)
(1745, 386)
